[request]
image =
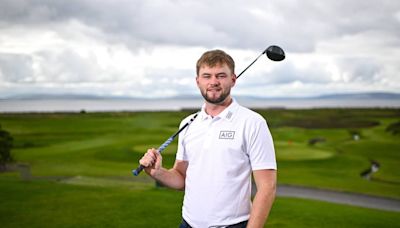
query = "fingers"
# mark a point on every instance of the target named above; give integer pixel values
(149, 159)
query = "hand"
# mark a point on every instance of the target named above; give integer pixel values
(152, 161)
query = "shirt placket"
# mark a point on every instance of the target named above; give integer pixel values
(210, 132)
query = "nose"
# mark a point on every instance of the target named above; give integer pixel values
(214, 81)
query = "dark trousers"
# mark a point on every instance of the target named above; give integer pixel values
(243, 224)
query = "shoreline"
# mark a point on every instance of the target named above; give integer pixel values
(115, 105)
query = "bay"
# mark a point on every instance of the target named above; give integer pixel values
(136, 105)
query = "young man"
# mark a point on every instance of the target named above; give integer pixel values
(217, 154)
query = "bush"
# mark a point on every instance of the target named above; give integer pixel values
(314, 141)
(6, 143)
(394, 128)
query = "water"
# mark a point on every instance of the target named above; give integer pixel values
(111, 105)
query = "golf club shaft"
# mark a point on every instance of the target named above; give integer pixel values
(250, 65)
(165, 144)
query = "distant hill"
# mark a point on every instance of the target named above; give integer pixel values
(60, 97)
(369, 95)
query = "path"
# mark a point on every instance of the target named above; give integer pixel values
(354, 199)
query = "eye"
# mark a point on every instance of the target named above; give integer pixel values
(221, 76)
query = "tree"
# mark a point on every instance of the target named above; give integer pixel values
(6, 143)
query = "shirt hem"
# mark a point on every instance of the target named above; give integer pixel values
(264, 166)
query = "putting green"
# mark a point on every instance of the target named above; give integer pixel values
(290, 151)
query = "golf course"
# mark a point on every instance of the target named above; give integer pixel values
(74, 169)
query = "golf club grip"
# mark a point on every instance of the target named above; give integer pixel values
(160, 149)
(165, 144)
(138, 170)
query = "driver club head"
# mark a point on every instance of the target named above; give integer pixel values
(275, 53)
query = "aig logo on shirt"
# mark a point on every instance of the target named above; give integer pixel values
(226, 135)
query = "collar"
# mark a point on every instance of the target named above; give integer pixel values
(226, 114)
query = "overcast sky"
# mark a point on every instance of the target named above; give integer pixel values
(149, 48)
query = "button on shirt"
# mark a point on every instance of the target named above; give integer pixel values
(221, 152)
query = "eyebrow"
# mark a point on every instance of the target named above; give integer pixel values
(217, 74)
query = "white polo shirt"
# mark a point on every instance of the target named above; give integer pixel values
(222, 152)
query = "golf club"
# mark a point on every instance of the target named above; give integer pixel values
(273, 52)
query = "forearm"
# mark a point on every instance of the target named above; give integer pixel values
(262, 205)
(170, 178)
(264, 198)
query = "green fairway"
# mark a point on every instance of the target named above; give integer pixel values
(81, 167)
(55, 204)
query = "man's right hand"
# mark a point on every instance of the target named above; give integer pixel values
(173, 178)
(152, 161)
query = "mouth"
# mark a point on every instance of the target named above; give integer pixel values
(213, 89)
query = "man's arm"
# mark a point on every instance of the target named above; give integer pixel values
(266, 187)
(172, 178)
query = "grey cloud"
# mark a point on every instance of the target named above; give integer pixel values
(67, 66)
(162, 80)
(288, 73)
(15, 68)
(357, 70)
(296, 25)
(360, 69)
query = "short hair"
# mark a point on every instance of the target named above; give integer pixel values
(213, 58)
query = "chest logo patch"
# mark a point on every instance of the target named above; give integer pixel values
(226, 135)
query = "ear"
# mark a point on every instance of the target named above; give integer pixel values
(234, 79)
(197, 80)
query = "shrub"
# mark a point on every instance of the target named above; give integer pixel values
(6, 143)
(394, 128)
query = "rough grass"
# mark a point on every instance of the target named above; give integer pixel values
(291, 212)
(52, 204)
(42, 203)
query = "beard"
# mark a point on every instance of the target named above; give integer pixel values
(215, 100)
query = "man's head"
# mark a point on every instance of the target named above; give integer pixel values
(213, 58)
(215, 76)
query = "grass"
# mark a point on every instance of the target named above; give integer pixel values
(52, 204)
(82, 164)
(56, 204)
(291, 212)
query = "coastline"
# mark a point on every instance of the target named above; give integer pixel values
(138, 105)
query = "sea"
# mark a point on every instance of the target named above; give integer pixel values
(137, 105)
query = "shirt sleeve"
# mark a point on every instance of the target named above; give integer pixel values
(260, 146)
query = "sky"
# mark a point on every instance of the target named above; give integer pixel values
(149, 48)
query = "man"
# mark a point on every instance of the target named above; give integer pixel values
(218, 153)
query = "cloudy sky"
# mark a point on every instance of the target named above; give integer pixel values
(149, 48)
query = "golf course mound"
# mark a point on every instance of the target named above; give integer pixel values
(297, 152)
(106, 182)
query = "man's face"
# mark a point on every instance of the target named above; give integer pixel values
(215, 83)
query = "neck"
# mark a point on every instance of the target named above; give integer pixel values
(215, 109)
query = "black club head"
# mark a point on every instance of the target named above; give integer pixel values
(275, 53)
